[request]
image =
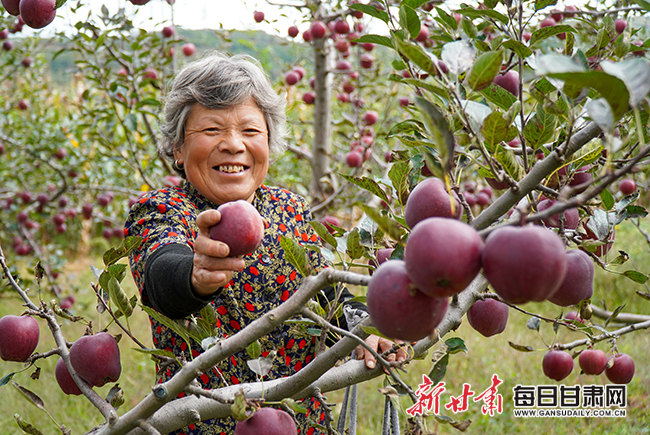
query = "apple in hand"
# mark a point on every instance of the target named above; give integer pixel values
(96, 359)
(241, 227)
(18, 337)
(557, 364)
(397, 308)
(592, 361)
(489, 317)
(267, 421)
(622, 371)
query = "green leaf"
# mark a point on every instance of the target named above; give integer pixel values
(295, 254)
(408, 126)
(636, 276)
(459, 56)
(614, 314)
(480, 13)
(368, 184)
(386, 224)
(323, 232)
(635, 74)
(540, 128)
(607, 199)
(377, 39)
(119, 297)
(600, 112)
(455, 345)
(294, 406)
(30, 396)
(409, 20)
(399, 176)
(635, 212)
(499, 96)
(354, 248)
(418, 55)
(439, 369)
(507, 158)
(432, 87)
(439, 130)
(541, 4)
(556, 63)
(546, 32)
(484, 69)
(370, 10)
(494, 129)
(534, 323)
(447, 19)
(59, 3)
(118, 271)
(643, 3)
(254, 349)
(521, 348)
(518, 48)
(588, 154)
(114, 255)
(6, 378)
(371, 330)
(26, 427)
(169, 323)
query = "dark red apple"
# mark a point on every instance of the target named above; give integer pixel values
(370, 117)
(139, 2)
(38, 13)
(293, 31)
(241, 227)
(571, 216)
(267, 421)
(601, 249)
(333, 220)
(368, 46)
(578, 283)
(592, 361)
(27, 62)
(572, 9)
(404, 101)
(343, 65)
(443, 256)
(258, 16)
(307, 36)
(508, 81)
(12, 7)
(366, 61)
(23, 104)
(18, 337)
(489, 317)
(291, 78)
(397, 308)
(309, 97)
(620, 25)
(423, 35)
(430, 199)
(168, 31)
(548, 22)
(627, 186)
(188, 49)
(318, 29)
(341, 26)
(150, 73)
(557, 15)
(64, 379)
(557, 364)
(354, 159)
(622, 371)
(96, 358)
(524, 264)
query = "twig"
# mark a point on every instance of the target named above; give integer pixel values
(605, 336)
(621, 317)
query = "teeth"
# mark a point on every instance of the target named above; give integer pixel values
(231, 168)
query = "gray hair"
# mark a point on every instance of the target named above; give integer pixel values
(219, 82)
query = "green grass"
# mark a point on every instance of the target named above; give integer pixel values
(485, 358)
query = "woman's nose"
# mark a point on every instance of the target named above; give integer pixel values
(232, 141)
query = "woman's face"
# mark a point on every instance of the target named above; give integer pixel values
(226, 151)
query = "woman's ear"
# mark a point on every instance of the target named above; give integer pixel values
(177, 153)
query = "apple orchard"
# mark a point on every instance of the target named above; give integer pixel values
(476, 173)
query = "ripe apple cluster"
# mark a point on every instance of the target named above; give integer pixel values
(619, 368)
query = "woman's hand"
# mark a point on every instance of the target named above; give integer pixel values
(381, 345)
(212, 267)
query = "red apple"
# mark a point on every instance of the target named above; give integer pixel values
(443, 256)
(318, 29)
(38, 13)
(548, 22)
(258, 16)
(370, 117)
(307, 36)
(12, 6)
(139, 2)
(601, 249)
(366, 61)
(622, 371)
(489, 317)
(293, 31)
(328, 221)
(592, 361)
(524, 264)
(150, 73)
(267, 421)
(572, 9)
(627, 186)
(168, 31)
(341, 26)
(423, 35)
(620, 25)
(430, 199)
(309, 97)
(557, 364)
(18, 337)
(508, 81)
(398, 309)
(96, 359)
(188, 49)
(571, 215)
(291, 78)
(64, 379)
(578, 283)
(241, 227)
(557, 15)
(354, 159)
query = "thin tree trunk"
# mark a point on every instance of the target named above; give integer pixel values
(321, 148)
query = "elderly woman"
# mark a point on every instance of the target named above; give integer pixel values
(222, 122)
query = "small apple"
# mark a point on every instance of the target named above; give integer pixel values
(354, 159)
(341, 26)
(258, 16)
(570, 8)
(620, 25)
(366, 61)
(508, 81)
(188, 49)
(18, 337)
(291, 78)
(404, 101)
(370, 117)
(293, 31)
(489, 317)
(4, 33)
(23, 104)
(328, 221)
(622, 371)
(96, 358)
(318, 29)
(557, 364)
(168, 31)
(241, 227)
(343, 65)
(627, 186)
(307, 36)
(571, 215)
(27, 62)
(368, 46)
(139, 2)
(557, 15)
(423, 35)
(548, 22)
(150, 73)
(592, 361)
(309, 97)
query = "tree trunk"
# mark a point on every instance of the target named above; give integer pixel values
(321, 148)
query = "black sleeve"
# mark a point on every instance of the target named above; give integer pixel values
(328, 294)
(168, 281)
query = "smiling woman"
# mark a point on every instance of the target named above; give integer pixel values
(222, 122)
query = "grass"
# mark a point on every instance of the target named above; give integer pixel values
(485, 357)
